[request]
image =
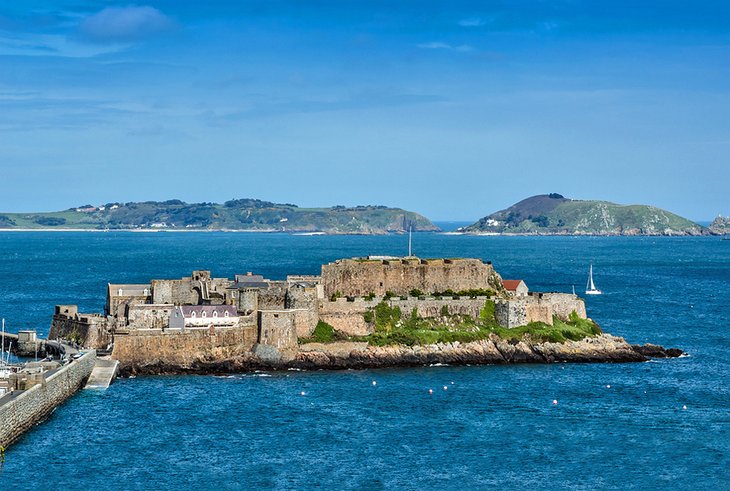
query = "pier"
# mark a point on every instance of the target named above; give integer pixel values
(37, 391)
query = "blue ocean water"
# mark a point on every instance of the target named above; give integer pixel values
(493, 426)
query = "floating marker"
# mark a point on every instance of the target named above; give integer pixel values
(452, 383)
(608, 386)
(302, 393)
(684, 407)
(555, 401)
(430, 391)
(374, 382)
(446, 387)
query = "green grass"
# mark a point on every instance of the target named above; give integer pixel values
(323, 333)
(391, 328)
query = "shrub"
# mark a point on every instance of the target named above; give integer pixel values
(323, 333)
(388, 295)
(368, 316)
(445, 310)
(416, 293)
(370, 296)
(386, 316)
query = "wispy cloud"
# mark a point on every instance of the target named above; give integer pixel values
(124, 24)
(24, 44)
(472, 22)
(446, 46)
(355, 102)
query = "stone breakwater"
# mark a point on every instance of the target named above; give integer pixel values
(20, 411)
(350, 355)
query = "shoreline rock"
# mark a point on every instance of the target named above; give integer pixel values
(348, 355)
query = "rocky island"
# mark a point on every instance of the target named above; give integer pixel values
(358, 313)
(554, 214)
(720, 225)
(233, 215)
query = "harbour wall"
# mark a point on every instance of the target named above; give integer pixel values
(21, 411)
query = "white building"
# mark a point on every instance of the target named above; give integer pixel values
(202, 316)
(516, 288)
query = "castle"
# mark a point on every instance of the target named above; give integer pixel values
(255, 314)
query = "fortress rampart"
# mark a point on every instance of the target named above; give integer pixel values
(20, 411)
(360, 277)
(181, 348)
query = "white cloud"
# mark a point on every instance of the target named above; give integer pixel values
(124, 24)
(445, 46)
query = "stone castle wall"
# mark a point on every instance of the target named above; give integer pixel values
(149, 316)
(20, 413)
(347, 316)
(538, 307)
(89, 330)
(278, 328)
(187, 291)
(359, 277)
(181, 348)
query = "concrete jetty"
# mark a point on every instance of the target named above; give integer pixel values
(103, 374)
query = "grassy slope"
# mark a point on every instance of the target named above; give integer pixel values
(392, 327)
(560, 216)
(260, 216)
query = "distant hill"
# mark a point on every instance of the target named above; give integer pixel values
(239, 214)
(720, 225)
(553, 214)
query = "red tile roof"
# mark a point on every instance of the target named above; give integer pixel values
(511, 285)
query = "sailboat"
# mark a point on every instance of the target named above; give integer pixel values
(590, 286)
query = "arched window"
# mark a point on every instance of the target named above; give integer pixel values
(120, 292)
(215, 314)
(193, 315)
(204, 314)
(226, 314)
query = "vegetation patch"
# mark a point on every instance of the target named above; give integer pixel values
(392, 328)
(323, 333)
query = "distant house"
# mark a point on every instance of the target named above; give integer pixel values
(517, 288)
(190, 316)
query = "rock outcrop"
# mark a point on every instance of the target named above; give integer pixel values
(349, 355)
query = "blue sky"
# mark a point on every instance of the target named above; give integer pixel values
(454, 109)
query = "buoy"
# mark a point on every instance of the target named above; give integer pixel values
(555, 401)
(430, 391)
(684, 407)
(302, 393)
(374, 382)
(452, 383)
(608, 386)
(446, 387)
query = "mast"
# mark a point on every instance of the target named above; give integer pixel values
(410, 240)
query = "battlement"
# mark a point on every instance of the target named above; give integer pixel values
(362, 276)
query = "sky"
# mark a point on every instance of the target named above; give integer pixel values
(454, 109)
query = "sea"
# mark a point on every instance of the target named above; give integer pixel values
(663, 424)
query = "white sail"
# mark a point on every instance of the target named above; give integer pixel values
(590, 286)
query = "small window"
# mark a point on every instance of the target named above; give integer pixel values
(120, 292)
(226, 314)
(193, 315)
(215, 314)
(204, 314)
